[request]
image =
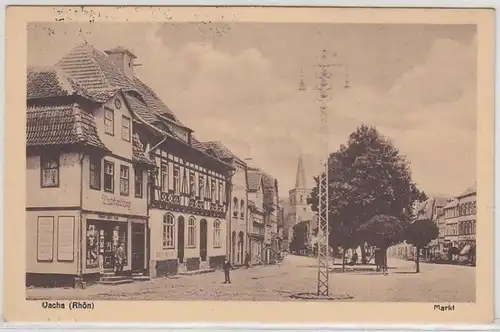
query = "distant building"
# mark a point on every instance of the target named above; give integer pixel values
(299, 209)
(467, 210)
(256, 213)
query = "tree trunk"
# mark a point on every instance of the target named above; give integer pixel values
(417, 261)
(363, 254)
(343, 259)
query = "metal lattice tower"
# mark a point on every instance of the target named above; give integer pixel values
(324, 88)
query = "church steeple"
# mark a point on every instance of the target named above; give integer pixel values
(300, 181)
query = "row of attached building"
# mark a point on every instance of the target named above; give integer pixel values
(456, 221)
(107, 162)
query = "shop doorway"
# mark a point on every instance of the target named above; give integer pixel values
(180, 239)
(203, 240)
(138, 246)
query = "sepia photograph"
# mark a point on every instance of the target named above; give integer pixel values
(247, 160)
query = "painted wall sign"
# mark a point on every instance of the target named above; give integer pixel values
(117, 202)
(65, 238)
(45, 239)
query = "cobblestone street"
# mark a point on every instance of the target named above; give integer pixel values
(435, 283)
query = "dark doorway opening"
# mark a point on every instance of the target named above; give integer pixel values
(180, 239)
(203, 240)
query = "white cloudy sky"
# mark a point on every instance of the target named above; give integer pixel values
(238, 83)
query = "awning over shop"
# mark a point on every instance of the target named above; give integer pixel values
(465, 250)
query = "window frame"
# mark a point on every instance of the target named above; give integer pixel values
(112, 176)
(53, 157)
(108, 110)
(125, 169)
(138, 182)
(191, 232)
(124, 119)
(177, 181)
(217, 234)
(97, 172)
(235, 207)
(166, 228)
(164, 177)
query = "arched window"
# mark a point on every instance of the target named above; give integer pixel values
(235, 207)
(191, 232)
(242, 209)
(168, 231)
(217, 234)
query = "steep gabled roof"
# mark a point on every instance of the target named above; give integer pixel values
(219, 150)
(471, 190)
(254, 179)
(61, 125)
(95, 71)
(138, 154)
(270, 188)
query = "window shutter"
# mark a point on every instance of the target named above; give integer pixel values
(181, 179)
(170, 175)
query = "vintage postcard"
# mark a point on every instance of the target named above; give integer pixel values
(243, 164)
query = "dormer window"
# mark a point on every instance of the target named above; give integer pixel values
(126, 128)
(109, 121)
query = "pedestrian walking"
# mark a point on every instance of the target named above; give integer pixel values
(247, 260)
(119, 258)
(226, 266)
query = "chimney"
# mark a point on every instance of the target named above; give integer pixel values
(123, 59)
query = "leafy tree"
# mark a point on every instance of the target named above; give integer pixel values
(299, 237)
(367, 177)
(420, 233)
(422, 196)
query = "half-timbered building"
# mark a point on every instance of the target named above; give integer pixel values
(237, 228)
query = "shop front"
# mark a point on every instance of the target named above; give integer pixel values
(104, 234)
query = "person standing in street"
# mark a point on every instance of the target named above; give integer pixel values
(226, 266)
(247, 260)
(119, 258)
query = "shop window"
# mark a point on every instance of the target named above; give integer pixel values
(125, 128)
(93, 245)
(109, 121)
(95, 173)
(109, 173)
(138, 183)
(235, 207)
(217, 234)
(50, 171)
(201, 185)
(176, 180)
(191, 232)
(168, 231)
(242, 209)
(164, 178)
(124, 180)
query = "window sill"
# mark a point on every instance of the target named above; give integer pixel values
(124, 194)
(138, 196)
(110, 134)
(168, 248)
(95, 188)
(50, 186)
(109, 191)
(217, 247)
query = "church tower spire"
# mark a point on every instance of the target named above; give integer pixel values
(300, 181)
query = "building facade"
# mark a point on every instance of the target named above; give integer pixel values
(256, 213)
(237, 228)
(451, 226)
(86, 176)
(467, 209)
(271, 207)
